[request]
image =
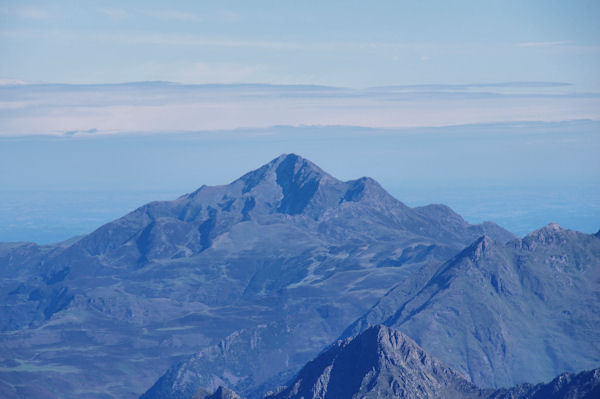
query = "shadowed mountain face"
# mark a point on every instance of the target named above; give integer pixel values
(384, 363)
(233, 273)
(379, 363)
(504, 314)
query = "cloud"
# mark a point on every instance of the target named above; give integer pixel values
(174, 15)
(170, 15)
(78, 132)
(472, 86)
(203, 72)
(544, 44)
(165, 107)
(27, 12)
(114, 13)
(13, 82)
(135, 38)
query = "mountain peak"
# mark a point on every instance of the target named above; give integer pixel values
(298, 180)
(551, 227)
(479, 248)
(548, 234)
(379, 362)
(295, 163)
(388, 338)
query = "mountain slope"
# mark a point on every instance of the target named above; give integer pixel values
(378, 363)
(384, 363)
(504, 314)
(286, 246)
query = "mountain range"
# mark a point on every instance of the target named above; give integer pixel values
(242, 284)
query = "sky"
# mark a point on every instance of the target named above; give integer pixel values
(491, 107)
(353, 44)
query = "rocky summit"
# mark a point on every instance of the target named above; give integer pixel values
(379, 363)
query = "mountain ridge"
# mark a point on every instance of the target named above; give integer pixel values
(382, 362)
(285, 246)
(500, 307)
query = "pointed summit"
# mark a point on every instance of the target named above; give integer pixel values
(481, 246)
(284, 168)
(477, 249)
(295, 179)
(299, 180)
(550, 228)
(380, 362)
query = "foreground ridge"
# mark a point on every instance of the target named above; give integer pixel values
(384, 363)
(380, 362)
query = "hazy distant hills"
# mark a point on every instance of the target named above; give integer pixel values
(283, 250)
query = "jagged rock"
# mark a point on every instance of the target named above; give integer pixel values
(378, 363)
(384, 363)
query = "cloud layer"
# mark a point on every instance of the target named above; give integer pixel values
(152, 107)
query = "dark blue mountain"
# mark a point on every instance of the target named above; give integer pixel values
(236, 274)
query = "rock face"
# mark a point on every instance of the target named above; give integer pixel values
(235, 274)
(504, 314)
(384, 363)
(379, 363)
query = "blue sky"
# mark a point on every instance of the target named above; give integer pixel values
(337, 43)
